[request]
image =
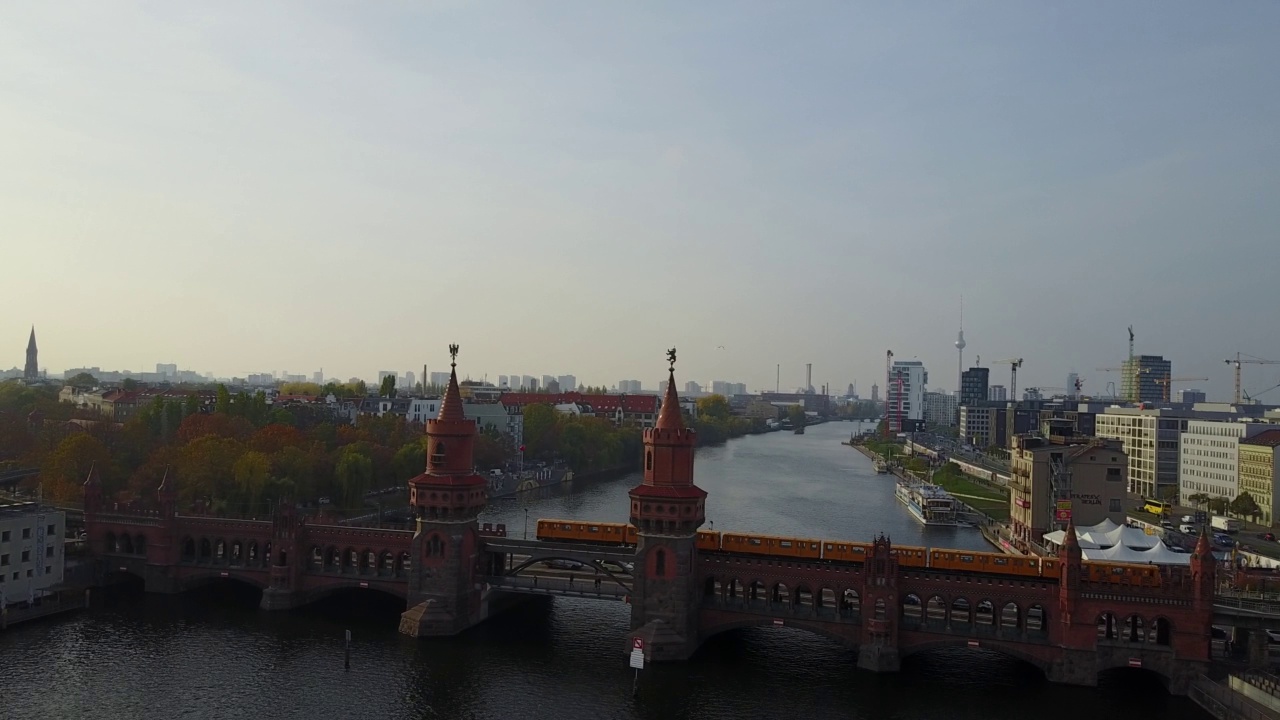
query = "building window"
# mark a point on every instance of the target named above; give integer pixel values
(4, 536)
(26, 556)
(26, 533)
(1115, 505)
(48, 552)
(51, 530)
(4, 560)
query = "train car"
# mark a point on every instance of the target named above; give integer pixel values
(771, 545)
(1049, 567)
(708, 540)
(590, 532)
(632, 536)
(909, 556)
(845, 551)
(994, 563)
(1123, 574)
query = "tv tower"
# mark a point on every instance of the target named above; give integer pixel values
(960, 343)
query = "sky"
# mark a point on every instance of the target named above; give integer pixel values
(574, 187)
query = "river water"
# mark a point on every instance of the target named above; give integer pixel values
(212, 654)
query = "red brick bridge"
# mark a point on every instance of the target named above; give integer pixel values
(453, 572)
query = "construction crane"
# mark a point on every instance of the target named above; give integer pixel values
(1242, 359)
(1014, 364)
(1247, 398)
(1042, 387)
(1165, 382)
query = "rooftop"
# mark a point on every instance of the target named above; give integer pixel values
(1266, 438)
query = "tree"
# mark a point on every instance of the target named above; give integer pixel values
(354, 473)
(1245, 506)
(713, 407)
(796, 415)
(302, 388)
(388, 387)
(82, 381)
(1169, 493)
(192, 405)
(275, 437)
(540, 430)
(251, 472)
(1198, 499)
(1217, 505)
(410, 460)
(129, 384)
(222, 405)
(66, 468)
(493, 449)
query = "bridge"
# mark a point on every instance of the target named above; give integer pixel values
(1078, 621)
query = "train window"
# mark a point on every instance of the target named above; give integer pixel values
(813, 546)
(785, 543)
(1000, 561)
(1117, 571)
(829, 548)
(753, 541)
(595, 528)
(966, 558)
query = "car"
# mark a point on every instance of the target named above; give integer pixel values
(1219, 633)
(1187, 529)
(1268, 536)
(1223, 540)
(1188, 519)
(564, 564)
(1273, 637)
(615, 566)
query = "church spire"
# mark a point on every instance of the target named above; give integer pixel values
(31, 371)
(451, 409)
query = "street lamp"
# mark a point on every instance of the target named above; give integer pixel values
(526, 523)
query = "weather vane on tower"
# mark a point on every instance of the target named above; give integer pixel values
(671, 359)
(453, 355)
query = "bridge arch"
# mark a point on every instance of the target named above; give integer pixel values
(935, 612)
(961, 612)
(780, 594)
(757, 590)
(748, 622)
(992, 646)
(911, 610)
(1161, 631)
(206, 551)
(1011, 616)
(188, 549)
(200, 579)
(984, 614)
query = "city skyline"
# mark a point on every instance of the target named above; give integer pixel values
(610, 183)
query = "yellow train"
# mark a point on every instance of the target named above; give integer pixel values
(991, 563)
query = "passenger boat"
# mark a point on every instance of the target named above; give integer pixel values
(929, 504)
(882, 467)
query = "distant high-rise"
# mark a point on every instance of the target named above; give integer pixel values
(529, 383)
(568, 383)
(409, 379)
(1072, 381)
(905, 394)
(167, 370)
(1191, 396)
(998, 393)
(629, 386)
(31, 371)
(1144, 378)
(503, 382)
(318, 377)
(875, 392)
(692, 387)
(974, 386)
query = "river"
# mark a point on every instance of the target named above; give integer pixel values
(212, 654)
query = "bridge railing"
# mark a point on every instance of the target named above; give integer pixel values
(1260, 607)
(800, 611)
(588, 586)
(1224, 703)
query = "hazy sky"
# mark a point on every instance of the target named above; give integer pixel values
(573, 187)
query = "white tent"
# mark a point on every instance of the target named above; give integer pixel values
(1158, 555)
(1123, 536)
(1056, 537)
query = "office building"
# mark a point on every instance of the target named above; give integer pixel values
(439, 379)
(983, 426)
(1209, 462)
(1145, 378)
(875, 393)
(997, 393)
(941, 409)
(1060, 480)
(1073, 386)
(629, 386)
(1259, 470)
(692, 388)
(568, 383)
(974, 386)
(1150, 439)
(31, 551)
(503, 381)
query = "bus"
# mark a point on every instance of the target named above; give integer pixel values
(1161, 509)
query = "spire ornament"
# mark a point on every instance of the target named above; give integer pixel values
(453, 355)
(671, 360)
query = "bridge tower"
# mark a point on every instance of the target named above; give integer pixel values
(287, 561)
(667, 509)
(444, 596)
(878, 647)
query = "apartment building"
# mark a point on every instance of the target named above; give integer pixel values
(1150, 439)
(1059, 480)
(1259, 470)
(1209, 462)
(31, 551)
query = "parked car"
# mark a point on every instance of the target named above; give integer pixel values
(617, 566)
(1268, 536)
(1188, 519)
(1223, 540)
(1187, 529)
(1273, 637)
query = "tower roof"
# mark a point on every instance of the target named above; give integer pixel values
(451, 408)
(1070, 540)
(93, 480)
(31, 343)
(669, 418)
(1203, 549)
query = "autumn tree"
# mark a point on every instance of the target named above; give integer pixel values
(82, 381)
(251, 472)
(493, 449)
(275, 437)
(1245, 506)
(67, 467)
(410, 460)
(222, 405)
(540, 430)
(354, 474)
(713, 407)
(388, 387)
(301, 388)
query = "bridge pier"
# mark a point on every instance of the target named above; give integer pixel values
(879, 658)
(279, 599)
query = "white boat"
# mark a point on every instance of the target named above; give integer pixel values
(929, 504)
(882, 467)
